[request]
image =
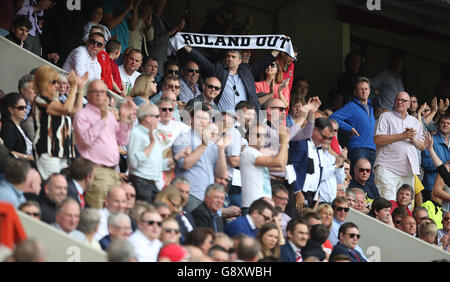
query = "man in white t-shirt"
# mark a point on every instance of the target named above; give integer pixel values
(254, 166)
(84, 58)
(128, 71)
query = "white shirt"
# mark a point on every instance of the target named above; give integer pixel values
(103, 226)
(250, 222)
(80, 61)
(144, 249)
(128, 80)
(312, 180)
(331, 177)
(172, 130)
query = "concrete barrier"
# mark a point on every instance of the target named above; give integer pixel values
(59, 246)
(383, 243)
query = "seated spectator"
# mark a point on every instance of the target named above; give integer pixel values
(340, 211)
(443, 237)
(173, 253)
(144, 87)
(163, 209)
(348, 241)
(94, 19)
(207, 213)
(408, 225)
(20, 26)
(119, 228)
(29, 250)
(145, 239)
(201, 237)
(150, 66)
(381, 210)
(420, 214)
(67, 217)
(362, 171)
(53, 194)
(260, 212)
(184, 218)
(247, 249)
(315, 247)
(115, 202)
(404, 197)
(84, 58)
(170, 83)
(350, 195)
(297, 234)
(31, 208)
(223, 240)
(80, 180)
(189, 82)
(326, 213)
(269, 238)
(89, 223)
(128, 71)
(280, 198)
(121, 250)
(397, 215)
(170, 67)
(53, 118)
(360, 200)
(170, 233)
(219, 254)
(130, 192)
(12, 133)
(26, 88)
(210, 90)
(427, 232)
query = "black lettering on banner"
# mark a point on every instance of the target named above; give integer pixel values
(233, 41)
(275, 39)
(187, 39)
(284, 41)
(220, 40)
(245, 41)
(198, 39)
(207, 41)
(261, 41)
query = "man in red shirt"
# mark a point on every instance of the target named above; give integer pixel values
(287, 66)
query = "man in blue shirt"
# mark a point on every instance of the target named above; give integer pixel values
(357, 117)
(14, 184)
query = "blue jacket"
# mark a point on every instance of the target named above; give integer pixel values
(240, 226)
(287, 254)
(340, 248)
(430, 170)
(354, 115)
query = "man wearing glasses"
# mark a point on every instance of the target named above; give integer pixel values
(211, 88)
(362, 172)
(397, 136)
(145, 239)
(189, 87)
(348, 242)
(84, 58)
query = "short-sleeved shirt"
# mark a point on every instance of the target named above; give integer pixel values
(398, 157)
(80, 60)
(255, 179)
(128, 80)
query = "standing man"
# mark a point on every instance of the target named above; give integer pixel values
(189, 87)
(287, 66)
(397, 136)
(98, 134)
(441, 147)
(237, 78)
(357, 118)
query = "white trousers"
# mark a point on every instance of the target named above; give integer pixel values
(47, 165)
(388, 182)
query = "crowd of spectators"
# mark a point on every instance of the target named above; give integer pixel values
(202, 156)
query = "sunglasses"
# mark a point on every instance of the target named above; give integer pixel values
(235, 91)
(175, 72)
(171, 86)
(35, 214)
(366, 170)
(154, 81)
(131, 195)
(273, 65)
(352, 235)
(280, 108)
(54, 81)
(20, 108)
(194, 70)
(95, 42)
(170, 230)
(213, 87)
(398, 221)
(342, 209)
(446, 218)
(166, 109)
(281, 198)
(156, 116)
(326, 137)
(152, 222)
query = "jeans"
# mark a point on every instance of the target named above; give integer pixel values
(146, 190)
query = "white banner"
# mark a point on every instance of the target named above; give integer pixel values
(272, 42)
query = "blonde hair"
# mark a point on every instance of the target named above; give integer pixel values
(43, 75)
(169, 194)
(142, 86)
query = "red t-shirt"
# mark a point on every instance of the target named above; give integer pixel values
(289, 74)
(115, 73)
(103, 60)
(395, 204)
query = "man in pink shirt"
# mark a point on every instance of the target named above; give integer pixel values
(98, 135)
(397, 136)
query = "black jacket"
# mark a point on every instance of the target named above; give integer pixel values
(204, 218)
(12, 137)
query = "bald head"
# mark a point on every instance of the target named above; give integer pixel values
(116, 200)
(33, 182)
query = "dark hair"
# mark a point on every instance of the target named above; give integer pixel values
(339, 257)
(406, 187)
(322, 123)
(217, 248)
(198, 236)
(346, 226)
(112, 45)
(99, 34)
(277, 187)
(170, 77)
(16, 171)
(444, 116)
(312, 214)
(399, 211)
(192, 110)
(338, 200)
(347, 58)
(260, 205)
(361, 79)
(293, 223)
(244, 104)
(10, 100)
(169, 63)
(379, 204)
(24, 80)
(21, 21)
(149, 58)
(319, 233)
(81, 168)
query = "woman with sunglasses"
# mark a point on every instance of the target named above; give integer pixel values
(53, 142)
(14, 109)
(144, 87)
(273, 84)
